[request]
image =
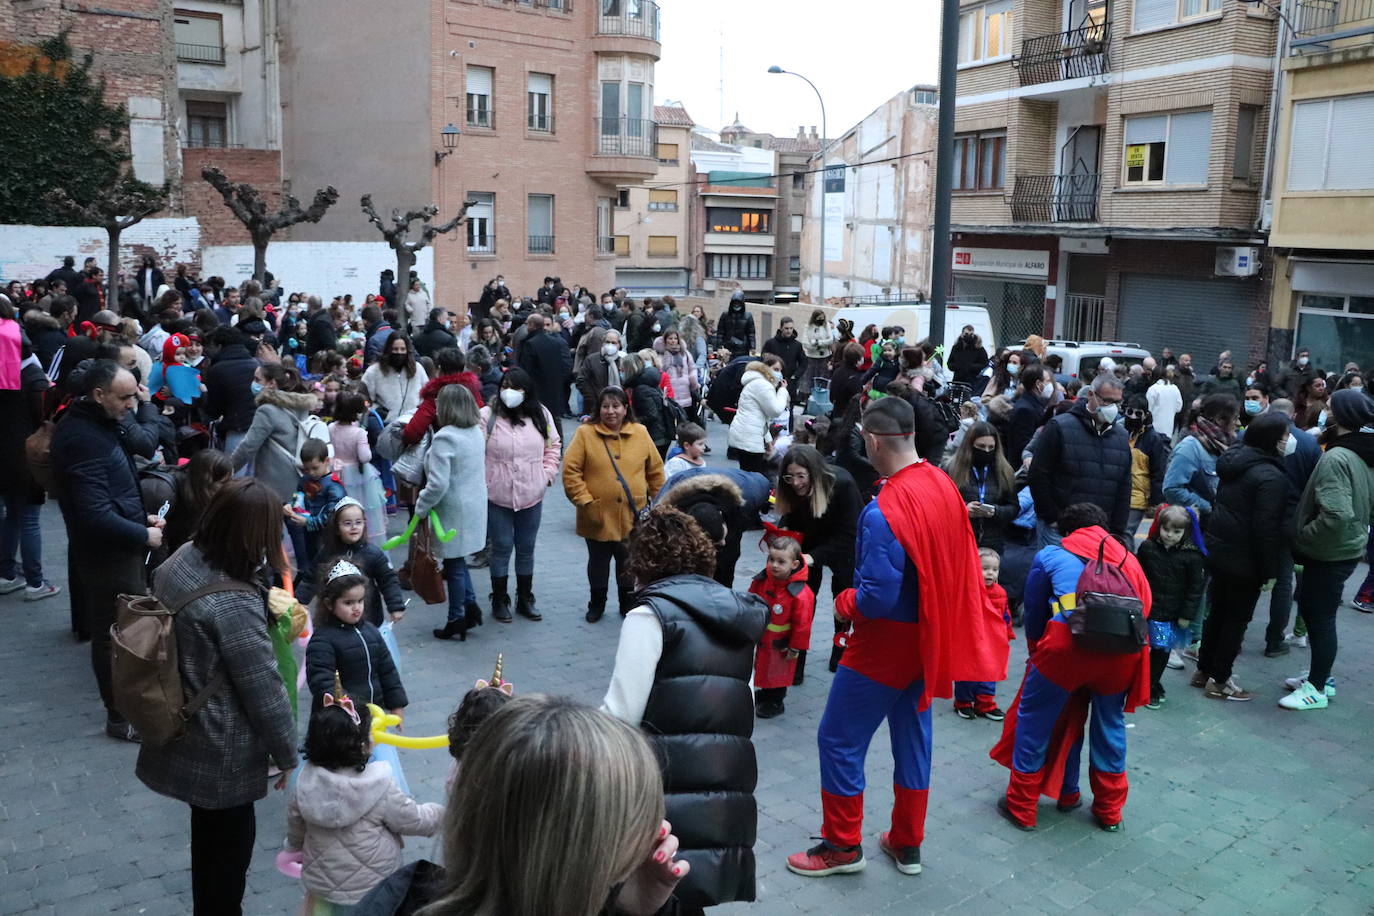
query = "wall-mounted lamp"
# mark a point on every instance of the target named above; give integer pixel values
(449, 135)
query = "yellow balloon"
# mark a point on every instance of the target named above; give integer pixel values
(382, 720)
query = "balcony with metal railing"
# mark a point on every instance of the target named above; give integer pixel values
(481, 116)
(481, 243)
(1068, 198)
(1323, 25)
(540, 244)
(627, 26)
(1065, 55)
(200, 54)
(623, 149)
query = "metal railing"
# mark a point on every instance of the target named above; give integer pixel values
(1056, 198)
(481, 117)
(1064, 55)
(663, 205)
(1083, 316)
(559, 6)
(200, 54)
(482, 243)
(626, 137)
(540, 244)
(1317, 23)
(540, 123)
(638, 18)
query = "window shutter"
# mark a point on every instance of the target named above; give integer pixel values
(622, 245)
(663, 245)
(479, 81)
(541, 83)
(541, 215)
(483, 205)
(1350, 160)
(1189, 150)
(658, 196)
(1154, 14)
(1146, 130)
(1307, 146)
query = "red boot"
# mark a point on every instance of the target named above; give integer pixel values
(1023, 794)
(1109, 797)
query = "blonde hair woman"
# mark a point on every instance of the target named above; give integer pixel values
(559, 810)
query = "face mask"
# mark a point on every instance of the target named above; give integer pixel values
(397, 360)
(655, 328)
(512, 397)
(1013, 369)
(610, 350)
(1302, 361)
(1108, 413)
(563, 316)
(982, 459)
(1252, 408)
(255, 388)
(1134, 424)
(1170, 537)
(1249, 380)
(1290, 445)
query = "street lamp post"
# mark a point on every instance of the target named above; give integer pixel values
(824, 145)
(449, 135)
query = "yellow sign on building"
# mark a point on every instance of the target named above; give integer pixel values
(1135, 156)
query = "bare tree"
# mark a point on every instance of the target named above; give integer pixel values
(398, 237)
(246, 203)
(114, 209)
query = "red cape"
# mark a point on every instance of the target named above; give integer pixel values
(961, 637)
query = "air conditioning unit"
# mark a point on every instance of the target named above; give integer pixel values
(1237, 262)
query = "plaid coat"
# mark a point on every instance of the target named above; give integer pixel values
(221, 761)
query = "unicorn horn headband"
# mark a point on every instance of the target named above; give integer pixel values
(496, 682)
(337, 698)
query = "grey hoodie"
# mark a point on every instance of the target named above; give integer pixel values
(349, 825)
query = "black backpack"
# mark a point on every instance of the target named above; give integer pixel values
(726, 387)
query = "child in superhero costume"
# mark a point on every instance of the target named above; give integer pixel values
(978, 699)
(791, 606)
(921, 620)
(1042, 737)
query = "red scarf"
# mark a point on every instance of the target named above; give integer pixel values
(961, 636)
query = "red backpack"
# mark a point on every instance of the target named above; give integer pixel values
(1109, 616)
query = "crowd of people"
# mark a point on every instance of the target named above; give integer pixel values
(241, 454)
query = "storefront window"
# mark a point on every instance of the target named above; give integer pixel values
(1337, 329)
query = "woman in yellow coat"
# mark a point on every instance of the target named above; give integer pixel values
(610, 472)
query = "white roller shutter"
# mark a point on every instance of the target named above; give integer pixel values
(541, 84)
(1146, 130)
(1307, 148)
(1154, 14)
(479, 81)
(1350, 165)
(1189, 150)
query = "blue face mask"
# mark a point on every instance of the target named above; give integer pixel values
(255, 388)
(1253, 407)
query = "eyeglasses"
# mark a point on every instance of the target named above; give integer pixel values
(796, 478)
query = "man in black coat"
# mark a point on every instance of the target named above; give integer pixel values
(736, 327)
(967, 358)
(548, 360)
(87, 291)
(1027, 411)
(1083, 456)
(66, 273)
(320, 333)
(107, 528)
(435, 335)
(228, 382)
(787, 348)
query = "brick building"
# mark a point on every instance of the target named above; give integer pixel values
(1108, 170)
(654, 224)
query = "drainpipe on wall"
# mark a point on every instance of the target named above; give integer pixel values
(1275, 95)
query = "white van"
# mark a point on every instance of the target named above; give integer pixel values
(1081, 358)
(915, 318)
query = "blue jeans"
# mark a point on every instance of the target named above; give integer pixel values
(1047, 534)
(459, 583)
(21, 535)
(509, 530)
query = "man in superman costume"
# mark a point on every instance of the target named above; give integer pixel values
(921, 620)
(1065, 686)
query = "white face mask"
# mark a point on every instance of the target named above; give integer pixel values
(1013, 369)
(1290, 445)
(1302, 361)
(562, 316)
(1108, 413)
(610, 350)
(512, 397)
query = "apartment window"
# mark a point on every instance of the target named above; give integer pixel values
(980, 161)
(834, 179)
(1242, 165)
(540, 99)
(634, 110)
(924, 97)
(207, 124)
(667, 153)
(622, 246)
(728, 219)
(1170, 149)
(604, 243)
(622, 199)
(481, 222)
(662, 200)
(662, 246)
(479, 83)
(796, 222)
(539, 222)
(1331, 140)
(985, 33)
(738, 266)
(199, 37)
(610, 109)
(798, 180)
(1158, 14)
(794, 264)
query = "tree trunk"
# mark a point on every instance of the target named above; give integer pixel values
(260, 260)
(112, 270)
(405, 261)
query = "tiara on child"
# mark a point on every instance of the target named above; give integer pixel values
(339, 699)
(343, 568)
(346, 501)
(496, 683)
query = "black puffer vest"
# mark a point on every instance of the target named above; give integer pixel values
(700, 716)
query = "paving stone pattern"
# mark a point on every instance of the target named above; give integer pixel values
(1234, 808)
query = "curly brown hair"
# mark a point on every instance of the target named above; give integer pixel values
(669, 542)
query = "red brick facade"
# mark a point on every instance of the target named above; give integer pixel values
(259, 167)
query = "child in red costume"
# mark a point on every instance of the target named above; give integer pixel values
(791, 605)
(978, 699)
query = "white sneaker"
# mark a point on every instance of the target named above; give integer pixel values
(1191, 651)
(1305, 697)
(1175, 659)
(1300, 641)
(1294, 683)
(46, 590)
(11, 585)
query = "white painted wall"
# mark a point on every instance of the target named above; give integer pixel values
(326, 269)
(30, 252)
(248, 79)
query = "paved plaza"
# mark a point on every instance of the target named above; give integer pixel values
(1235, 807)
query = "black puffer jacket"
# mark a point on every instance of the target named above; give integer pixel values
(320, 333)
(967, 361)
(736, 328)
(45, 334)
(1076, 463)
(360, 656)
(1249, 515)
(650, 407)
(385, 589)
(830, 538)
(434, 338)
(1176, 578)
(228, 388)
(700, 716)
(97, 482)
(21, 412)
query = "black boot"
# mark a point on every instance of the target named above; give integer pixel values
(597, 606)
(626, 598)
(451, 629)
(500, 599)
(524, 598)
(472, 614)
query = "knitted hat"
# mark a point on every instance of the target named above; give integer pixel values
(1352, 409)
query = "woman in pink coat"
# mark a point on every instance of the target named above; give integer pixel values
(523, 449)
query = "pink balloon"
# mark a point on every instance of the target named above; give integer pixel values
(290, 862)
